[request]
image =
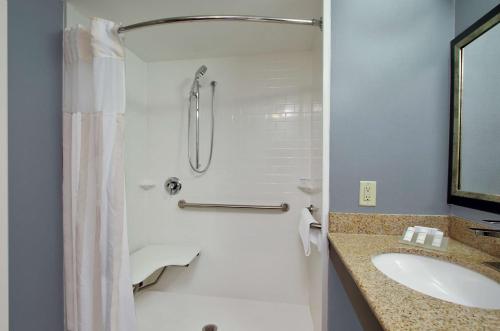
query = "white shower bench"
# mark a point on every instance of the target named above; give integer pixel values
(149, 259)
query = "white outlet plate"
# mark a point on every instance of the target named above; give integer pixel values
(368, 193)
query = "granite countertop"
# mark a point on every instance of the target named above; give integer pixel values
(398, 307)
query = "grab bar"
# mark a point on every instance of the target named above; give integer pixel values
(183, 204)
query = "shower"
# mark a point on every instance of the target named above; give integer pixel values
(194, 99)
(199, 256)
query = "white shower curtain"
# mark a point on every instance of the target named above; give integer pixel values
(98, 290)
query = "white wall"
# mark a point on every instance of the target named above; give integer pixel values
(4, 266)
(262, 146)
(136, 147)
(74, 17)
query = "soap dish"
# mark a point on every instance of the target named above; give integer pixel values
(147, 185)
(309, 186)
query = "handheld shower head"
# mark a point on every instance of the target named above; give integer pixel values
(200, 72)
(197, 75)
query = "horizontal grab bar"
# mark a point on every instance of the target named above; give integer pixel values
(183, 204)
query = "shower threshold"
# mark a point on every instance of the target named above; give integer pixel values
(184, 312)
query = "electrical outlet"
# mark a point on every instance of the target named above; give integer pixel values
(368, 193)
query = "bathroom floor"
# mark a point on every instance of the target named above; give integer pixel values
(183, 312)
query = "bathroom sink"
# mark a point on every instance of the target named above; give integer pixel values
(440, 279)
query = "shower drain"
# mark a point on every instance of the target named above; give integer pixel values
(209, 327)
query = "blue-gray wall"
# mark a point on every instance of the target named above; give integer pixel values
(390, 104)
(35, 221)
(390, 108)
(341, 313)
(390, 114)
(466, 13)
(469, 11)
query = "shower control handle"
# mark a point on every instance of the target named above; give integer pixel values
(173, 185)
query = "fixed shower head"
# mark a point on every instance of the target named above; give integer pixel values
(200, 72)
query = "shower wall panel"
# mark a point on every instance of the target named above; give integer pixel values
(136, 147)
(264, 112)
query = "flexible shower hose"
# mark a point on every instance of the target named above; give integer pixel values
(195, 168)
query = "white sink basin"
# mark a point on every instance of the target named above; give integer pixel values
(440, 279)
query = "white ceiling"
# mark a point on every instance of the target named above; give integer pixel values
(208, 39)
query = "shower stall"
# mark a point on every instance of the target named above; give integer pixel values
(224, 148)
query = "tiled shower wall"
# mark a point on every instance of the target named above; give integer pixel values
(266, 112)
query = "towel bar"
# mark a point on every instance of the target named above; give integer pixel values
(183, 204)
(315, 225)
(312, 209)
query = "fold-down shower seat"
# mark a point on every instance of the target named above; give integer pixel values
(149, 259)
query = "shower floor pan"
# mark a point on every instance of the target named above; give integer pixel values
(163, 311)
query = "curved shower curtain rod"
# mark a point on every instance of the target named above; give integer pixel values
(259, 19)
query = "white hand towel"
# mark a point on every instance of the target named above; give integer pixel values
(307, 234)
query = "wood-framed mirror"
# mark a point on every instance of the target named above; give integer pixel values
(474, 159)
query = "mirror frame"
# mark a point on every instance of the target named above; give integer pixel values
(481, 201)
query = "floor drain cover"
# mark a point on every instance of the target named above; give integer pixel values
(209, 327)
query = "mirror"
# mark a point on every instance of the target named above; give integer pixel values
(474, 174)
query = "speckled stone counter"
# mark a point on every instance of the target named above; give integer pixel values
(398, 307)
